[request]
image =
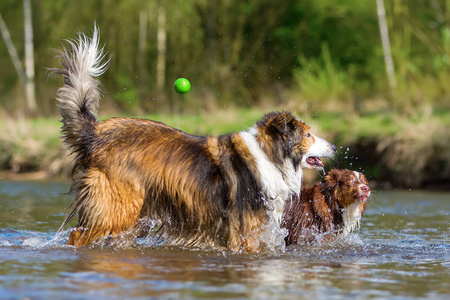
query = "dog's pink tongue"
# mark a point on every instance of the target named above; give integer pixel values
(314, 161)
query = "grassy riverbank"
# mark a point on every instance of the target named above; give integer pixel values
(392, 150)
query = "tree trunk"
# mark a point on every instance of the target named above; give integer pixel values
(29, 57)
(161, 44)
(384, 32)
(161, 60)
(12, 51)
(142, 40)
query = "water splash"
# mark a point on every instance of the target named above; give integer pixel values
(32, 242)
(323, 171)
(272, 236)
(32, 239)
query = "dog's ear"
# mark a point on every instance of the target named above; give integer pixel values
(283, 122)
(280, 123)
(331, 180)
(330, 185)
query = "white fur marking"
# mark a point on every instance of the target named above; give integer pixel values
(352, 217)
(89, 55)
(86, 59)
(277, 183)
(357, 175)
(320, 148)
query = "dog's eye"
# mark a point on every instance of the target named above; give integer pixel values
(351, 181)
(308, 135)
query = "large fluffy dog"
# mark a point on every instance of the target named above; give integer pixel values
(331, 207)
(203, 190)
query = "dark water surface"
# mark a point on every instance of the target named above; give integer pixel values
(401, 252)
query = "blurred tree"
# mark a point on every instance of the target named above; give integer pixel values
(238, 52)
(384, 33)
(12, 51)
(29, 57)
(26, 75)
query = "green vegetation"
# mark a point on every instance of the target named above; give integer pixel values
(323, 60)
(242, 53)
(404, 152)
(408, 152)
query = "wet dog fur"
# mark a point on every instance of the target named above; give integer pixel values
(328, 208)
(203, 190)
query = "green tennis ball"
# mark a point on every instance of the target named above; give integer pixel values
(182, 85)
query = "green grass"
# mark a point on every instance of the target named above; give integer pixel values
(336, 125)
(220, 122)
(346, 128)
(33, 144)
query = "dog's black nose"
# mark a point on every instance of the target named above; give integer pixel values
(333, 147)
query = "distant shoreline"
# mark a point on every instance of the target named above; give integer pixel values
(393, 152)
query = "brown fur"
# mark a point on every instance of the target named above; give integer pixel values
(320, 207)
(134, 169)
(203, 190)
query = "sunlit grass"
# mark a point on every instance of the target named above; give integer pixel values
(220, 122)
(404, 145)
(339, 125)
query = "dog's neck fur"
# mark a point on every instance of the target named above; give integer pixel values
(351, 217)
(278, 183)
(345, 220)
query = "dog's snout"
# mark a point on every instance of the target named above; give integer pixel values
(365, 189)
(333, 147)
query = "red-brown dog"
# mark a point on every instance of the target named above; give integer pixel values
(333, 206)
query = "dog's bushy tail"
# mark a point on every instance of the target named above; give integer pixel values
(79, 97)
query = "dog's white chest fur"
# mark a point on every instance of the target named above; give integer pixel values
(278, 183)
(351, 217)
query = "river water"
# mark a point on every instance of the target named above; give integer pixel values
(402, 251)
